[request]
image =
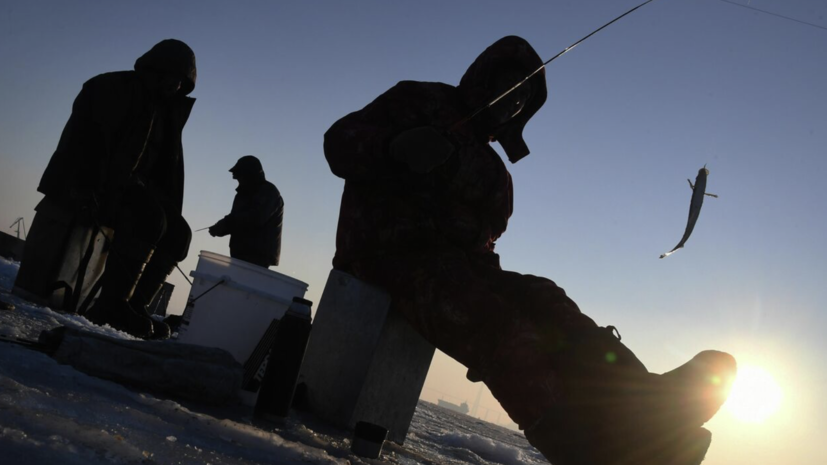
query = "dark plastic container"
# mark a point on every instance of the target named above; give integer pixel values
(368, 440)
(284, 362)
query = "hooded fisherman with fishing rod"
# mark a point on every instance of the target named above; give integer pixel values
(255, 221)
(426, 199)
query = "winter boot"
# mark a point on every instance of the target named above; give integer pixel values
(612, 411)
(567, 441)
(124, 267)
(151, 282)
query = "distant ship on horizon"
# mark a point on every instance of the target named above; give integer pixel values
(462, 408)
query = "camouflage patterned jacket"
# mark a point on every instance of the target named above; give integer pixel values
(386, 208)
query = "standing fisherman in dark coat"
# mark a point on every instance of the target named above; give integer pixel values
(120, 163)
(425, 200)
(255, 221)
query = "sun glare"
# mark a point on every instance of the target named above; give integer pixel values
(755, 396)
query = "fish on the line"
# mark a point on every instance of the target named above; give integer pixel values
(698, 193)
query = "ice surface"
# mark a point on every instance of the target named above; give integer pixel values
(28, 319)
(484, 447)
(53, 414)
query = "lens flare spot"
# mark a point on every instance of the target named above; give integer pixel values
(611, 357)
(755, 395)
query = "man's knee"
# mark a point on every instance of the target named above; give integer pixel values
(151, 229)
(142, 217)
(176, 241)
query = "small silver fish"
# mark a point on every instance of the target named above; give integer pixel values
(698, 193)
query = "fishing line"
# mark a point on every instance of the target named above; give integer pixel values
(774, 14)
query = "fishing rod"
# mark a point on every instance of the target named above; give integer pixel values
(563, 52)
(183, 274)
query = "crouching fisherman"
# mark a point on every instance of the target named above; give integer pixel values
(119, 168)
(425, 200)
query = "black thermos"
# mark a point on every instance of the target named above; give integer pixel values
(285, 361)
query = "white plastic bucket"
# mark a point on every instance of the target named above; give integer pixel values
(235, 314)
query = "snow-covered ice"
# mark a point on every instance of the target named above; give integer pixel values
(54, 414)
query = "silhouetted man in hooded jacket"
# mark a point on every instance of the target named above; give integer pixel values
(425, 200)
(120, 163)
(255, 221)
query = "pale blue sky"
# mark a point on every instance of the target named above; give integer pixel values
(632, 113)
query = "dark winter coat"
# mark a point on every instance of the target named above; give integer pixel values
(118, 134)
(464, 203)
(254, 224)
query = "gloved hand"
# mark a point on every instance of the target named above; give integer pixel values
(421, 149)
(220, 229)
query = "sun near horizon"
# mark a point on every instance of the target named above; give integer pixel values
(755, 396)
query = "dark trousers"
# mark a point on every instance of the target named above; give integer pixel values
(149, 241)
(508, 327)
(143, 218)
(255, 259)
